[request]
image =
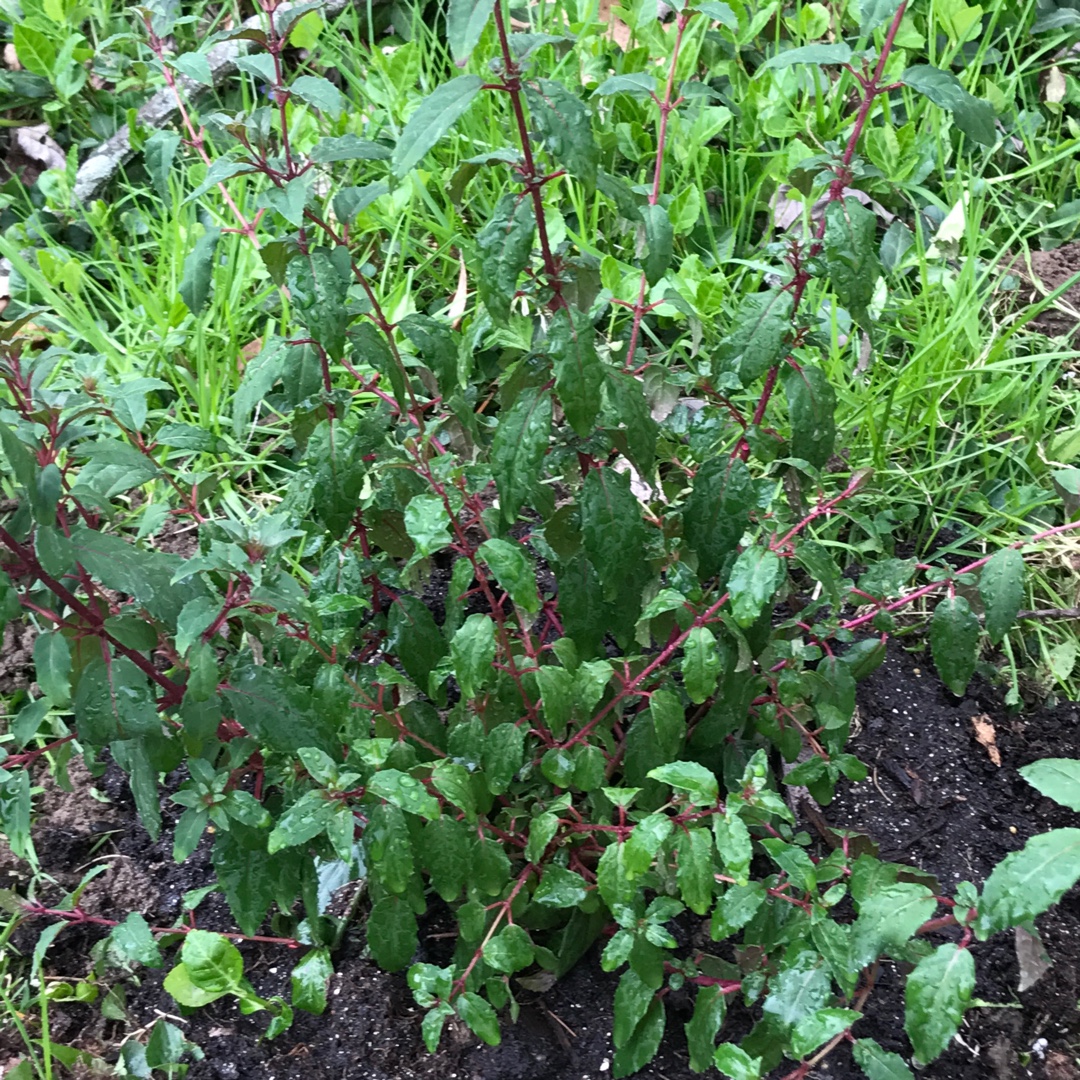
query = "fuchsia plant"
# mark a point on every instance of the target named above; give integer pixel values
(579, 739)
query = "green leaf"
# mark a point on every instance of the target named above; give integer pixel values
(818, 1028)
(178, 983)
(278, 711)
(641, 1047)
(432, 1024)
(465, 22)
(895, 244)
(701, 664)
(224, 168)
(319, 92)
(612, 880)
(504, 246)
(35, 50)
(873, 13)
(637, 84)
(710, 1006)
(510, 950)
(954, 642)
(562, 121)
(52, 667)
(719, 12)
(514, 572)
(736, 1063)
(935, 996)
(479, 1017)
(632, 1000)
(438, 346)
(319, 292)
(799, 990)
(973, 116)
(392, 933)
(628, 410)
(887, 920)
(811, 410)
(659, 237)
(433, 118)
(1001, 588)
(669, 721)
(195, 66)
(581, 605)
(612, 529)
(303, 821)
(1028, 882)
(733, 844)
(879, 1064)
(213, 963)
(542, 830)
(810, 54)
(560, 888)
(133, 942)
(405, 792)
(717, 513)
(444, 851)
(159, 152)
(309, 981)
(472, 652)
(503, 756)
(752, 583)
(348, 148)
(246, 874)
(518, 449)
(1057, 779)
(199, 271)
(579, 374)
(114, 701)
(415, 638)
(698, 783)
(489, 867)
(452, 781)
(695, 871)
(850, 254)
(759, 337)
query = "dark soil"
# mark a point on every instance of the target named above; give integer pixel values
(1047, 271)
(934, 800)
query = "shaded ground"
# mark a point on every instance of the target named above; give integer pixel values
(934, 800)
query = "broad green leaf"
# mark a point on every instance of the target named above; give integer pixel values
(612, 529)
(736, 1063)
(278, 711)
(309, 981)
(810, 54)
(224, 168)
(479, 1017)
(114, 701)
(213, 963)
(717, 11)
(451, 780)
(489, 867)
(159, 152)
(438, 347)
(199, 271)
(659, 237)
(246, 875)
(637, 84)
(872, 14)
(195, 66)
(690, 777)
(465, 22)
(759, 336)
(260, 65)
(514, 572)
(392, 933)
(717, 513)
(432, 1024)
(427, 523)
(562, 121)
(52, 667)
(644, 843)
(415, 639)
(542, 830)
(557, 696)
(444, 851)
(319, 292)
(879, 1064)
(954, 642)
(35, 50)
(388, 848)
(632, 1000)
(579, 373)
(1029, 881)
(887, 920)
(581, 605)
(733, 843)
(641, 1047)
(1057, 779)
(936, 996)
(472, 652)
(669, 721)
(1001, 588)
(612, 880)
(973, 116)
(752, 583)
(504, 245)
(432, 119)
(503, 756)
(818, 1028)
(850, 254)
(710, 1006)
(303, 821)
(348, 148)
(895, 244)
(405, 792)
(799, 990)
(628, 409)
(701, 664)
(811, 411)
(319, 92)
(518, 449)
(194, 620)
(694, 850)
(132, 941)
(560, 888)
(510, 950)
(179, 984)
